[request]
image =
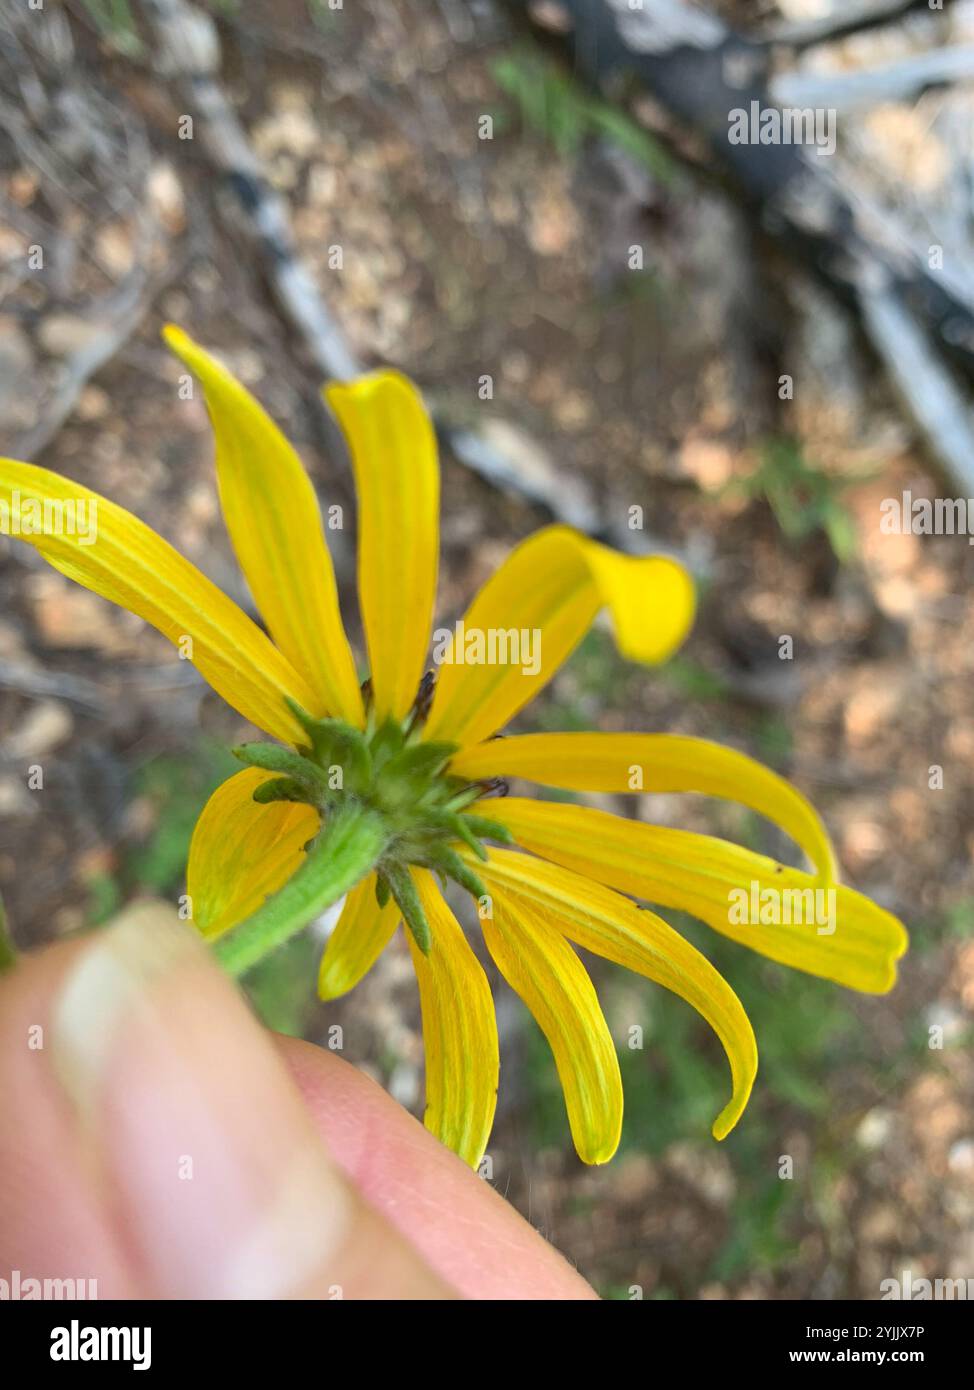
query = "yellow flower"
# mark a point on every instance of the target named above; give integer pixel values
(377, 789)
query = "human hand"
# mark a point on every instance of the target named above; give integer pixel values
(157, 1139)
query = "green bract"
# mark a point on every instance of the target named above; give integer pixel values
(386, 778)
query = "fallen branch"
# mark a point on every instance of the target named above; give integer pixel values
(699, 71)
(91, 161)
(59, 685)
(187, 48)
(855, 17)
(902, 81)
(122, 314)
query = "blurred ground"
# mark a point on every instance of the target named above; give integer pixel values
(656, 389)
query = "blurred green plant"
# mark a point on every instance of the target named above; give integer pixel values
(115, 25)
(803, 498)
(960, 919)
(322, 15)
(693, 680)
(954, 923)
(572, 704)
(177, 787)
(8, 952)
(281, 988)
(596, 671)
(105, 897)
(774, 739)
(561, 112)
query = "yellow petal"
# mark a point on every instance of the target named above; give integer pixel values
(706, 877)
(601, 921)
(397, 479)
(129, 564)
(551, 588)
(459, 1031)
(241, 852)
(274, 521)
(362, 933)
(656, 763)
(539, 965)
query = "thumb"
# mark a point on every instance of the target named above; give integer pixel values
(215, 1179)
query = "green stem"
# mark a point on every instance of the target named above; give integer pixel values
(349, 845)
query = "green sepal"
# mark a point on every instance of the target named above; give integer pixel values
(306, 720)
(403, 889)
(455, 825)
(488, 829)
(447, 861)
(349, 750)
(337, 744)
(387, 742)
(421, 760)
(271, 757)
(381, 890)
(282, 789)
(464, 795)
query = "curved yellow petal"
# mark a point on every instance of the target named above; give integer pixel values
(548, 592)
(274, 521)
(843, 937)
(540, 966)
(122, 559)
(459, 1031)
(601, 921)
(361, 934)
(397, 479)
(241, 852)
(653, 763)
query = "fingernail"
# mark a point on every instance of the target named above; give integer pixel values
(219, 1183)
(109, 987)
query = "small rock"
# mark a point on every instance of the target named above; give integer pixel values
(573, 411)
(23, 187)
(292, 132)
(165, 195)
(708, 462)
(870, 710)
(960, 1158)
(875, 1128)
(93, 403)
(15, 799)
(46, 726)
(634, 1178)
(115, 246)
(63, 335)
(553, 224)
(12, 644)
(67, 616)
(863, 842)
